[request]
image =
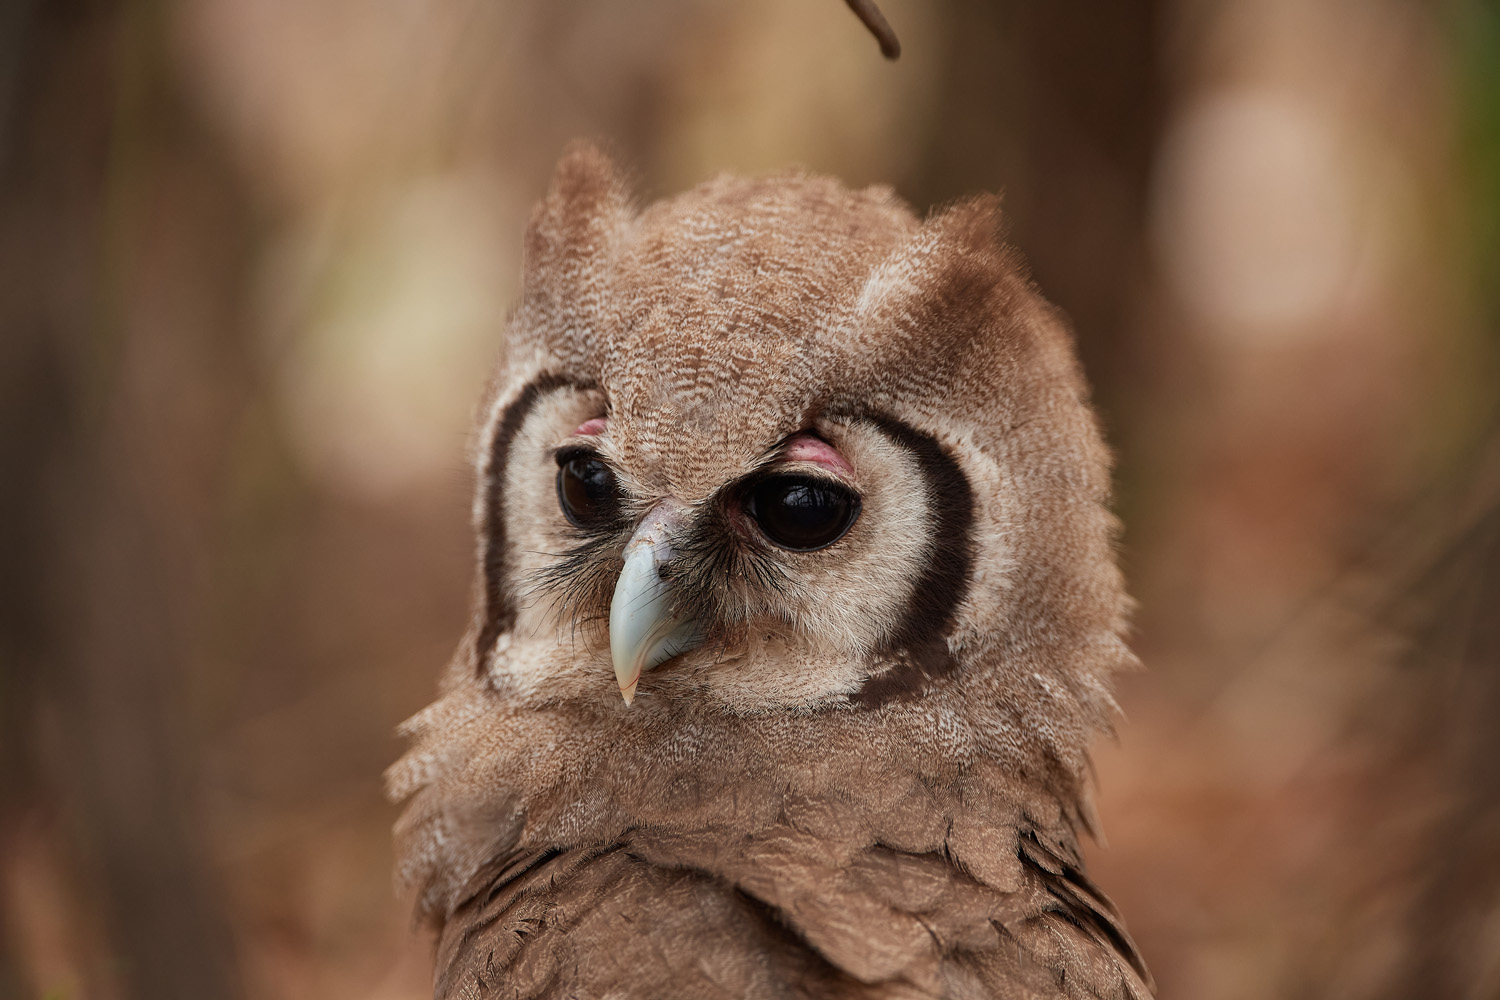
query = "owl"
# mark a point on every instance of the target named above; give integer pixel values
(796, 609)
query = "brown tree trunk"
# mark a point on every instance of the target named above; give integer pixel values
(98, 579)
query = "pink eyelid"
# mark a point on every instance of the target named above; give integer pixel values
(591, 427)
(806, 448)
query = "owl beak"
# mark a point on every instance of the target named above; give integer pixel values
(645, 629)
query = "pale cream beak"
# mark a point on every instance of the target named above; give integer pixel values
(645, 629)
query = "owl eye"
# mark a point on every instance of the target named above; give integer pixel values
(587, 491)
(802, 513)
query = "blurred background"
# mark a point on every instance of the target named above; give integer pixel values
(254, 257)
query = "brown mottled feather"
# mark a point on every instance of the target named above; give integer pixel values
(859, 789)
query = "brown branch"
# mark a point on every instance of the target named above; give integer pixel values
(870, 16)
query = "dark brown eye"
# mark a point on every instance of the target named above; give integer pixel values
(802, 513)
(587, 491)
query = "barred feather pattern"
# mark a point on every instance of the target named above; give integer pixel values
(872, 782)
(706, 867)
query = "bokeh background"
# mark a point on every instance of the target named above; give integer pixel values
(254, 255)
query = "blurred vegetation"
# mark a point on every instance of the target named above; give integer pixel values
(254, 255)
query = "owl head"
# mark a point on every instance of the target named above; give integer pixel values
(777, 445)
(774, 460)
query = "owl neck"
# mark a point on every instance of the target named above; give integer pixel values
(489, 778)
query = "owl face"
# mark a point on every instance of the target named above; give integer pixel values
(776, 445)
(778, 582)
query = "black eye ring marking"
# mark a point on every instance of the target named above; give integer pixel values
(802, 513)
(587, 490)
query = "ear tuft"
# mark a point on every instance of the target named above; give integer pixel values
(948, 285)
(574, 234)
(974, 224)
(585, 178)
(585, 205)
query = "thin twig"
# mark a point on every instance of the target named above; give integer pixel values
(870, 16)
